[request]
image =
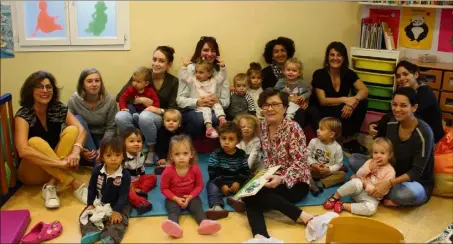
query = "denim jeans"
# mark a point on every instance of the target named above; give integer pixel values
(149, 124)
(193, 123)
(215, 195)
(92, 142)
(406, 194)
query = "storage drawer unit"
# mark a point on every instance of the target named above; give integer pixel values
(371, 116)
(373, 64)
(432, 78)
(374, 78)
(379, 104)
(380, 91)
(446, 102)
(447, 83)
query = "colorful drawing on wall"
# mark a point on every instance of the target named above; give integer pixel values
(96, 19)
(44, 19)
(391, 16)
(446, 31)
(417, 27)
(6, 32)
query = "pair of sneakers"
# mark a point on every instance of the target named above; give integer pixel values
(333, 203)
(49, 194)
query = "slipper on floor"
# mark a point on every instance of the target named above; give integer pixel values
(172, 229)
(208, 227)
(43, 232)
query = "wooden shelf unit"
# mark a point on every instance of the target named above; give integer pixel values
(408, 5)
(441, 81)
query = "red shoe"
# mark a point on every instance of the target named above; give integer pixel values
(222, 121)
(329, 204)
(338, 207)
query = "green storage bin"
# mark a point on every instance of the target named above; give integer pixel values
(380, 91)
(379, 104)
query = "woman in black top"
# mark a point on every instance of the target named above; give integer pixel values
(276, 52)
(166, 87)
(48, 153)
(407, 75)
(333, 85)
(165, 84)
(413, 146)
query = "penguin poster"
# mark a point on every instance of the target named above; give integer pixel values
(417, 28)
(446, 31)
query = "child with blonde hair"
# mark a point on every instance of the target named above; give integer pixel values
(298, 90)
(325, 156)
(240, 101)
(205, 84)
(377, 169)
(255, 89)
(171, 127)
(181, 184)
(250, 142)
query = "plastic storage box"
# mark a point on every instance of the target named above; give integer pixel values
(381, 105)
(381, 79)
(373, 64)
(371, 116)
(380, 91)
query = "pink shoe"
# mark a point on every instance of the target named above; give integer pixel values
(208, 227)
(211, 133)
(222, 121)
(43, 232)
(172, 228)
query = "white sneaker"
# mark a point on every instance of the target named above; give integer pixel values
(49, 193)
(82, 193)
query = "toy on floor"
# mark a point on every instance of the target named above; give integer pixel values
(43, 232)
(18, 221)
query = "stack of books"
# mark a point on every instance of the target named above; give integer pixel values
(376, 35)
(415, 2)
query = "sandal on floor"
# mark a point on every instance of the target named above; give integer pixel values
(43, 232)
(329, 204)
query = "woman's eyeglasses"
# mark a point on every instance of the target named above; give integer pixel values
(48, 87)
(274, 106)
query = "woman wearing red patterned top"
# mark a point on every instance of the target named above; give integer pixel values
(282, 143)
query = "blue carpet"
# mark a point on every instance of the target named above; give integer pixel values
(158, 200)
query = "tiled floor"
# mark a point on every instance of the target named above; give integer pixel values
(417, 224)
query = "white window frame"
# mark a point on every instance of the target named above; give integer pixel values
(73, 42)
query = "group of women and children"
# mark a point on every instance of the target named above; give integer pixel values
(269, 107)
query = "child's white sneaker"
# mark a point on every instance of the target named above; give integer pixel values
(49, 193)
(82, 193)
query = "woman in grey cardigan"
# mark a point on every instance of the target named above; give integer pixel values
(95, 109)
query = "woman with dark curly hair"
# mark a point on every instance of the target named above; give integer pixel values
(332, 86)
(276, 52)
(48, 153)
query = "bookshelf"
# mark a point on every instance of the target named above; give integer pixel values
(408, 5)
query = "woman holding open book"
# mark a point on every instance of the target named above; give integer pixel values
(283, 143)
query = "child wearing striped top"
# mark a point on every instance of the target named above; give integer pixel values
(228, 170)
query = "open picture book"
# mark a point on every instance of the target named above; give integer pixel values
(254, 185)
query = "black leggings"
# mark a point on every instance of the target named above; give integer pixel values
(350, 125)
(280, 198)
(310, 115)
